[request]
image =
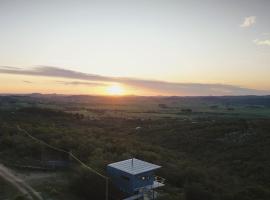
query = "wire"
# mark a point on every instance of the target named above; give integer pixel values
(61, 150)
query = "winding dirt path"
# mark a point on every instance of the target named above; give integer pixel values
(19, 184)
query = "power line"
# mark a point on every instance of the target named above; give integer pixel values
(71, 155)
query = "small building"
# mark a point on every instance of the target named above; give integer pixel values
(135, 177)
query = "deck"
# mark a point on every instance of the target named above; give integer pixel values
(146, 192)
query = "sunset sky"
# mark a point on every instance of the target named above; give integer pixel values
(135, 47)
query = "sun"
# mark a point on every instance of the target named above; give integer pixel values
(116, 90)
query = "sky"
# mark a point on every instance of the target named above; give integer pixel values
(135, 47)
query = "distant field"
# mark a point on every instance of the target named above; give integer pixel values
(147, 107)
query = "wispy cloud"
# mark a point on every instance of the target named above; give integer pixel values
(159, 87)
(29, 82)
(262, 42)
(81, 83)
(248, 22)
(50, 71)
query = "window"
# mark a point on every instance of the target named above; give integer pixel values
(145, 178)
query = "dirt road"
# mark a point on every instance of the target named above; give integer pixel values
(19, 184)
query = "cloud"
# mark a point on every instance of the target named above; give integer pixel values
(262, 42)
(193, 89)
(157, 87)
(50, 71)
(81, 83)
(248, 22)
(27, 82)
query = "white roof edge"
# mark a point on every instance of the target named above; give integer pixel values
(140, 166)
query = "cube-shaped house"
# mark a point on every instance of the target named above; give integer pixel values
(133, 176)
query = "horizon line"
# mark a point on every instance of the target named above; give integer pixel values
(129, 95)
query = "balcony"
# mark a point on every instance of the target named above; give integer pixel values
(148, 192)
(158, 182)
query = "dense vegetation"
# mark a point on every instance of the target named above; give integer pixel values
(209, 152)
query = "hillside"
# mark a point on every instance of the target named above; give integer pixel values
(208, 147)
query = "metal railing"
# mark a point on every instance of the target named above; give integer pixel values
(160, 179)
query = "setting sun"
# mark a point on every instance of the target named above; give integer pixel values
(115, 90)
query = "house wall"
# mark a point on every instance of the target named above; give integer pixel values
(130, 183)
(121, 179)
(142, 180)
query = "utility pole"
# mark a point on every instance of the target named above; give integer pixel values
(107, 188)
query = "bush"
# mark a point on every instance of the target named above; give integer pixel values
(196, 191)
(87, 185)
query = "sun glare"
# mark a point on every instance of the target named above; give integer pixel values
(115, 90)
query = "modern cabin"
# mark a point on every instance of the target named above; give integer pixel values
(134, 176)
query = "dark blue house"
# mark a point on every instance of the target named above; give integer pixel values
(133, 176)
